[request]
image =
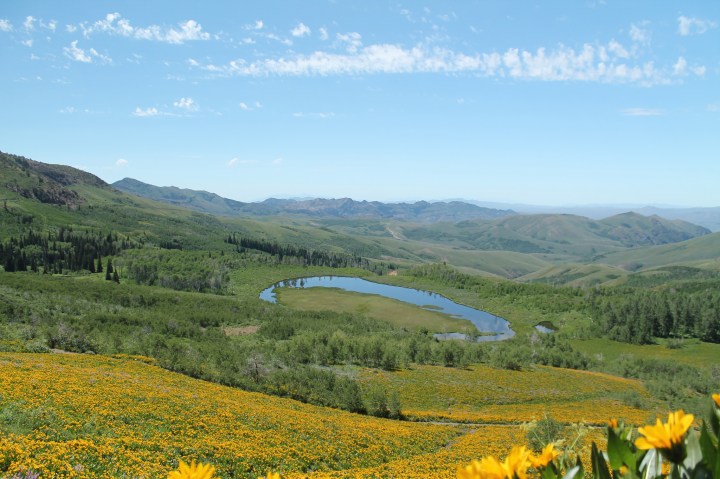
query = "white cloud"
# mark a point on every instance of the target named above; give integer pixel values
(186, 104)
(258, 25)
(27, 43)
(121, 163)
(114, 24)
(5, 25)
(617, 49)
(639, 34)
(146, 112)
(300, 30)
(70, 28)
(693, 26)
(51, 25)
(68, 109)
(29, 23)
(642, 112)
(237, 161)
(603, 63)
(680, 67)
(246, 107)
(321, 115)
(352, 40)
(77, 54)
(323, 34)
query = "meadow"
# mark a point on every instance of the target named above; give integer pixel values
(396, 312)
(81, 416)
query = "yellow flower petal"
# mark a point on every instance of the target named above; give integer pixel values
(716, 398)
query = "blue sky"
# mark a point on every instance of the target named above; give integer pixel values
(560, 103)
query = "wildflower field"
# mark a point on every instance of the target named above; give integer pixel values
(482, 394)
(86, 416)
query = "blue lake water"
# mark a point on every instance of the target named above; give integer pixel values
(483, 321)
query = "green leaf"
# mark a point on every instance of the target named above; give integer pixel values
(620, 452)
(651, 465)
(573, 472)
(599, 466)
(694, 452)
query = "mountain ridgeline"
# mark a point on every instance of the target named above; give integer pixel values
(421, 211)
(558, 248)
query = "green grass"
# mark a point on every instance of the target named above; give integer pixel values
(396, 312)
(694, 353)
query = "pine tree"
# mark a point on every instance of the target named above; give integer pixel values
(116, 277)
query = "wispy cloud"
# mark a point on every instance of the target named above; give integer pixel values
(152, 111)
(277, 161)
(80, 55)
(713, 107)
(29, 23)
(323, 33)
(5, 25)
(643, 112)
(115, 24)
(694, 26)
(187, 104)
(237, 161)
(121, 163)
(609, 63)
(300, 30)
(246, 107)
(640, 34)
(76, 53)
(320, 115)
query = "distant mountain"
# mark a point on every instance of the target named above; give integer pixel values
(565, 235)
(346, 208)
(708, 217)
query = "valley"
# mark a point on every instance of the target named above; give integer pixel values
(121, 375)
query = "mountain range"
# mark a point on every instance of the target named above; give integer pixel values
(421, 211)
(561, 248)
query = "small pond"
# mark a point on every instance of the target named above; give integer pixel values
(483, 321)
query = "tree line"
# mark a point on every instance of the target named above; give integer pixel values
(290, 254)
(63, 251)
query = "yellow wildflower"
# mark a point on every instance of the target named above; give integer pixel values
(515, 465)
(716, 398)
(613, 423)
(271, 475)
(665, 435)
(517, 462)
(488, 468)
(193, 471)
(545, 457)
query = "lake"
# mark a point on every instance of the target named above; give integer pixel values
(483, 321)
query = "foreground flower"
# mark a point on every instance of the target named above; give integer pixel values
(716, 398)
(515, 465)
(545, 457)
(193, 471)
(667, 437)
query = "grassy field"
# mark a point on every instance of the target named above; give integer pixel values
(694, 353)
(393, 311)
(481, 394)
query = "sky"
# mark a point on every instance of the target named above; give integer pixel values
(555, 103)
